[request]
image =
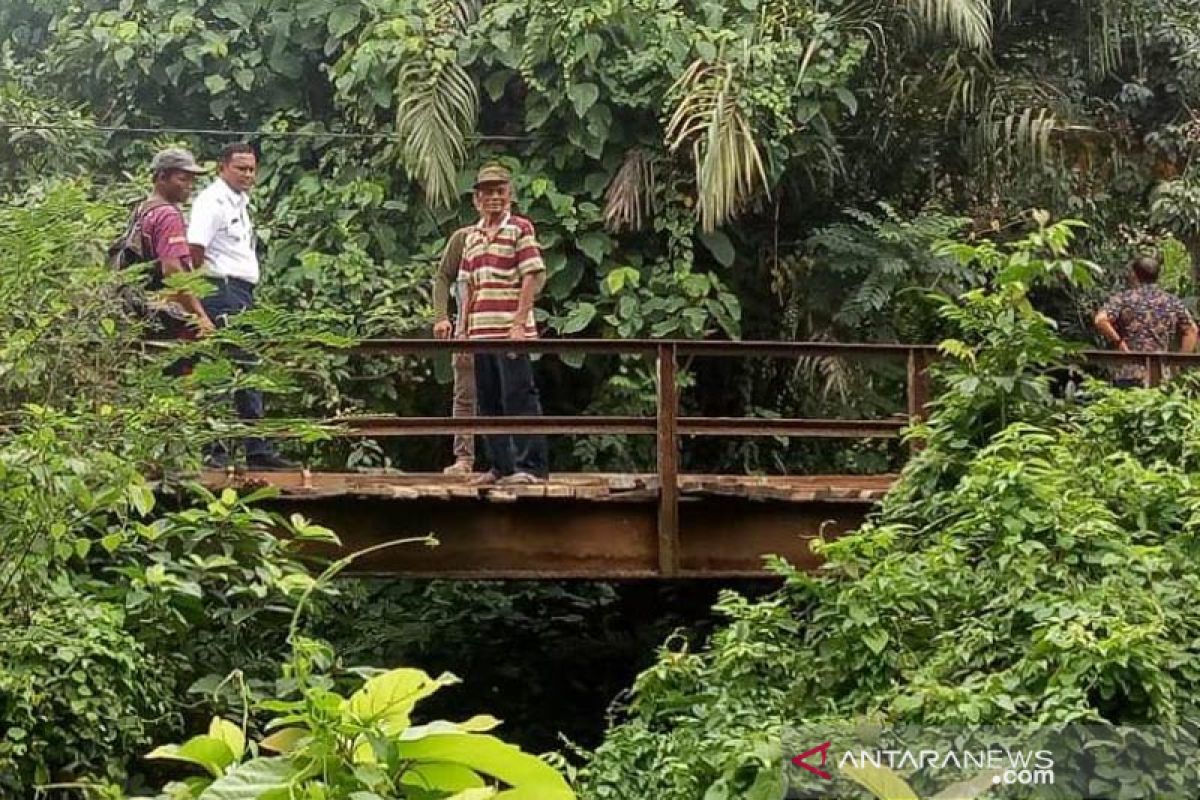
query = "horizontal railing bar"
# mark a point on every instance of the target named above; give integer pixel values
(707, 348)
(799, 428)
(690, 347)
(432, 426)
(563, 425)
(427, 346)
(693, 347)
(1140, 356)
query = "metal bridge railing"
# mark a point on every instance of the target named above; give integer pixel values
(668, 425)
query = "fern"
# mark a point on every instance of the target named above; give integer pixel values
(882, 253)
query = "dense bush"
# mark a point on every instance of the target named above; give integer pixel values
(116, 592)
(77, 691)
(1035, 566)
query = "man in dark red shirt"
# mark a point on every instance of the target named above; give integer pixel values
(164, 234)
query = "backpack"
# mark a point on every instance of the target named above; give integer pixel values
(128, 250)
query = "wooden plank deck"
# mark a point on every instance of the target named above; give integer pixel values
(589, 526)
(591, 487)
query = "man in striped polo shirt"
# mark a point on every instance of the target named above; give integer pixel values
(503, 271)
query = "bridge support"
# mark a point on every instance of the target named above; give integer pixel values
(612, 538)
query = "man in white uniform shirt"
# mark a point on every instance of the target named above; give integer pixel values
(221, 238)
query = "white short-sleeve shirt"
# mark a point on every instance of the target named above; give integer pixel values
(220, 223)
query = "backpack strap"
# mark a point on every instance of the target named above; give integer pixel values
(139, 214)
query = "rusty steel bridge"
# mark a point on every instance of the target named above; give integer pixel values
(664, 524)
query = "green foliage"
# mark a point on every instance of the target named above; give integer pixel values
(110, 603)
(176, 62)
(985, 590)
(592, 639)
(360, 745)
(880, 262)
(436, 102)
(724, 224)
(27, 152)
(1001, 347)
(76, 687)
(363, 745)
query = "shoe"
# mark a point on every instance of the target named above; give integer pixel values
(520, 479)
(484, 479)
(460, 467)
(270, 462)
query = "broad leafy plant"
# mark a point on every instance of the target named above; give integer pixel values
(361, 746)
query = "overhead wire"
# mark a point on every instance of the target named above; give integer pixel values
(363, 136)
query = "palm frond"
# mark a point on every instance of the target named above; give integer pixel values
(1023, 136)
(436, 113)
(1108, 22)
(630, 196)
(968, 22)
(437, 106)
(461, 12)
(729, 167)
(966, 81)
(835, 376)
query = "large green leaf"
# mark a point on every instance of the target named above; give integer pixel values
(208, 752)
(343, 19)
(580, 317)
(594, 245)
(284, 740)
(881, 782)
(387, 700)
(970, 788)
(583, 97)
(719, 245)
(490, 756)
(225, 731)
(251, 780)
(443, 776)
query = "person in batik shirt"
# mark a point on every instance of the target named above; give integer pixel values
(1144, 318)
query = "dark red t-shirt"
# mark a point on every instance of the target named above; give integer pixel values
(166, 234)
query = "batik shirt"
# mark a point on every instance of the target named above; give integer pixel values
(1147, 318)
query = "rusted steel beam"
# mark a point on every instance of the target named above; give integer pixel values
(806, 428)
(428, 347)
(683, 347)
(720, 537)
(918, 385)
(668, 463)
(773, 349)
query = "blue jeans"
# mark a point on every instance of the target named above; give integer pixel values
(504, 388)
(232, 297)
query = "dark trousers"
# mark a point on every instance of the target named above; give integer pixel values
(231, 298)
(171, 328)
(505, 388)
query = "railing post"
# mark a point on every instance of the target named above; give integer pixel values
(1154, 371)
(918, 389)
(668, 463)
